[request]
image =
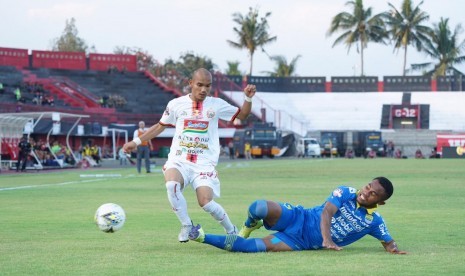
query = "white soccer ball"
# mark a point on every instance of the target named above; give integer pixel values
(110, 217)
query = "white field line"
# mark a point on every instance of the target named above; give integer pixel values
(61, 184)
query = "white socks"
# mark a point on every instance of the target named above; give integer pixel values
(179, 205)
(178, 202)
(219, 214)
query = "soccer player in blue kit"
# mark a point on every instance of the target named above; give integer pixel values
(347, 215)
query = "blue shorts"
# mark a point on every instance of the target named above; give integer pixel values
(298, 227)
(290, 226)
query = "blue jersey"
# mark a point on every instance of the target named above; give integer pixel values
(300, 228)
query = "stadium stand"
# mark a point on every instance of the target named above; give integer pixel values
(110, 89)
(446, 109)
(146, 98)
(322, 111)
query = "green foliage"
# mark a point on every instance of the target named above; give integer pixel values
(47, 221)
(445, 47)
(359, 28)
(145, 60)
(406, 27)
(233, 69)
(189, 62)
(69, 41)
(283, 68)
(252, 32)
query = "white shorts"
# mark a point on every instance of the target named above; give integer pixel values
(196, 175)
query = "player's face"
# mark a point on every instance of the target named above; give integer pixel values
(372, 194)
(200, 86)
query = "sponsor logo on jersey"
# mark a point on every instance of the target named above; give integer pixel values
(383, 229)
(196, 139)
(167, 112)
(352, 219)
(368, 219)
(337, 192)
(193, 145)
(210, 113)
(195, 126)
(183, 114)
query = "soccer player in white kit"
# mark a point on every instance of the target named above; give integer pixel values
(195, 148)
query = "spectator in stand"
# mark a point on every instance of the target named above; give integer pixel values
(37, 150)
(91, 153)
(2, 89)
(349, 153)
(17, 93)
(143, 150)
(105, 100)
(247, 150)
(69, 157)
(50, 100)
(419, 154)
(86, 152)
(372, 154)
(49, 161)
(24, 149)
(231, 149)
(434, 153)
(390, 149)
(95, 153)
(56, 150)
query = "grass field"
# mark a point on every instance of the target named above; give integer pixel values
(47, 228)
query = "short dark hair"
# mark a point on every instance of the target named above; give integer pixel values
(387, 185)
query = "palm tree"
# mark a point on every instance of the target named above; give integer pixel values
(252, 32)
(283, 68)
(443, 46)
(358, 27)
(406, 27)
(233, 69)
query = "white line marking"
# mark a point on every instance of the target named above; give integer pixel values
(60, 184)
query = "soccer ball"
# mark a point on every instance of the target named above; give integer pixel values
(110, 217)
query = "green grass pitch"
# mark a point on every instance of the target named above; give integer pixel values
(47, 227)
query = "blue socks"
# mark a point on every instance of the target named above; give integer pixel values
(235, 243)
(257, 211)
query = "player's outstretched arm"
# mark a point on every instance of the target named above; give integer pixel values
(391, 247)
(325, 226)
(151, 133)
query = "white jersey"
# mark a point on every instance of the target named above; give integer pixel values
(196, 137)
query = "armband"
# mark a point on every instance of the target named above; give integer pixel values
(247, 99)
(137, 141)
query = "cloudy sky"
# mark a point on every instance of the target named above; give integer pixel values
(167, 28)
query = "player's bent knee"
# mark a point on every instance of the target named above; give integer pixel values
(259, 209)
(173, 187)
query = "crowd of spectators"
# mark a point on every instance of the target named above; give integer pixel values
(112, 100)
(27, 92)
(45, 154)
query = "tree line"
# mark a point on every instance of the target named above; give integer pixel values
(402, 27)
